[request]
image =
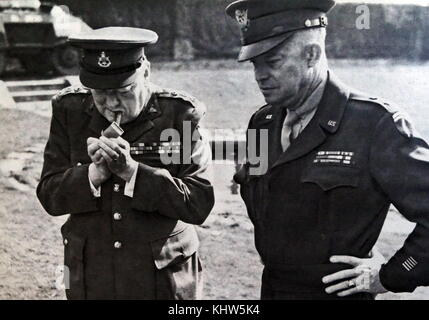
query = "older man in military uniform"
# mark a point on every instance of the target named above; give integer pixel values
(130, 232)
(336, 161)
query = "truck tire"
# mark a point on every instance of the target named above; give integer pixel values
(66, 60)
(3, 62)
(40, 64)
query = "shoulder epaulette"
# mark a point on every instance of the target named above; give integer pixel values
(71, 90)
(388, 106)
(177, 94)
(400, 118)
(263, 107)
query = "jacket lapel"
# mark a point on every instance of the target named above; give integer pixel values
(272, 122)
(274, 139)
(326, 120)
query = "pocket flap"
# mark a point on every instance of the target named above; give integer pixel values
(331, 177)
(175, 249)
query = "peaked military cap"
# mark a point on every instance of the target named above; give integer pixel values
(265, 24)
(111, 55)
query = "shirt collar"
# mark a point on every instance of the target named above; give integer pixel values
(311, 103)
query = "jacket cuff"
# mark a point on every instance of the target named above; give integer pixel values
(96, 192)
(396, 276)
(130, 185)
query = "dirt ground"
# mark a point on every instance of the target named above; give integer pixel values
(30, 244)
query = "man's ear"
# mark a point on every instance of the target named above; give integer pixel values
(313, 52)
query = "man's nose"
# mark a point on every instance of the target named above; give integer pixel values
(112, 100)
(261, 74)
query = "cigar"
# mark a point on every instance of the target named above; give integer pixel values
(114, 130)
(118, 118)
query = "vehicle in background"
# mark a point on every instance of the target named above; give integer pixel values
(36, 33)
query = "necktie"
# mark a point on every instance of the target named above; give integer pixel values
(291, 120)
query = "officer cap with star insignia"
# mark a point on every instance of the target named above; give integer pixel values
(112, 55)
(265, 24)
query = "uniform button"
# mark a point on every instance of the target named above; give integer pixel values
(116, 187)
(79, 164)
(66, 242)
(118, 245)
(117, 216)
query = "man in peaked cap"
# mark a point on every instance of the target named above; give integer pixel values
(336, 161)
(266, 24)
(130, 231)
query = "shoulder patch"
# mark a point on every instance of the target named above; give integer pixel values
(71, 90)
(177, 94)
(404, 125)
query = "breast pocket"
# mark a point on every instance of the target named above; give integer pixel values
(332, 177)
(328, 195)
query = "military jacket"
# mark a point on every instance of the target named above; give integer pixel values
(117, 247)
(330, 191)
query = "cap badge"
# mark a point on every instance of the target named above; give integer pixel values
(242, 19)
(103, 60)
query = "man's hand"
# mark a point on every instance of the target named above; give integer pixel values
(364, 277)
(98, 170)
(116, 152)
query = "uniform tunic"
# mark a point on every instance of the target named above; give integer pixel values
(117, 247)
(330, 192)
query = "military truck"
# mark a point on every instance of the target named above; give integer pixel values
(36, 33)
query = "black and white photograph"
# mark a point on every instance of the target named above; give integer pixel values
(214, 150)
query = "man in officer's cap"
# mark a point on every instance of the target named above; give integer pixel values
(132, 189)
(336, 162)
